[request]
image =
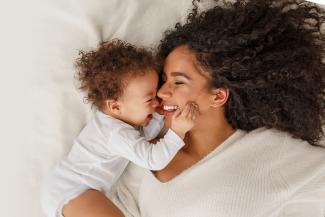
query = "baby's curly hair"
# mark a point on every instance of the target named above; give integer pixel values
(103, 73)
(269, 54)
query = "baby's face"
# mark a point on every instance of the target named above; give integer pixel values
(139, 99)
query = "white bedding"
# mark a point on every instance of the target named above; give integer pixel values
(41, 108)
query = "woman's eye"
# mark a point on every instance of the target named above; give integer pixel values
(178, 82)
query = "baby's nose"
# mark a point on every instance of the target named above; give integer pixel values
(155, 102)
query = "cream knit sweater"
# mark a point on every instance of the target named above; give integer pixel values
(265, 173)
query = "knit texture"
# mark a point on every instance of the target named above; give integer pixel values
(263, 173)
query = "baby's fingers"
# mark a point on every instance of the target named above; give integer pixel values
(194, 112)
(177, 113)
(187, 110)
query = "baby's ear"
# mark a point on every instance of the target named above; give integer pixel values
(113, 106)
(219, 97)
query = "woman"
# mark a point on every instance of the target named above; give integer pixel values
(255, 70)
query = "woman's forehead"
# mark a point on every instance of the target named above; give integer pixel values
(180, 58)
(181, 52)
(183, 60)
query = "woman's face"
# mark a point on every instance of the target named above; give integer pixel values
(184, 81)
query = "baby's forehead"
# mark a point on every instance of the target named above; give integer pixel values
(142, 85)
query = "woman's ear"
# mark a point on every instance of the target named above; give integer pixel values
(113, 106)
(219, 97)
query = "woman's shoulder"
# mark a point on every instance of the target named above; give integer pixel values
(276, 138)
(285, 150)
(300, 165)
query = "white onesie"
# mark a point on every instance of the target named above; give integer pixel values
(100, 154)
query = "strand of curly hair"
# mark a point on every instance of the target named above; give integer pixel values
(269, 54)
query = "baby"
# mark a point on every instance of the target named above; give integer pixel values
(121, 83)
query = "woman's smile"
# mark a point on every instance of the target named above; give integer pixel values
(169, 109)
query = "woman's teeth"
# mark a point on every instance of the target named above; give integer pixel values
(170, 107)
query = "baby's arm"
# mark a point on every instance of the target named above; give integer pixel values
(128, 143)
(183, 121)
(155, 126)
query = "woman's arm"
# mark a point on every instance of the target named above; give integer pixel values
(91, 203)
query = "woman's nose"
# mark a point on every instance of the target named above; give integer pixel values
(164, 92)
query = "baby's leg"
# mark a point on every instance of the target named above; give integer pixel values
(91, 203)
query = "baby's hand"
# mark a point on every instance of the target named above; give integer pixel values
(183, 121)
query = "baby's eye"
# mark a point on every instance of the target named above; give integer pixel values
(149, 100)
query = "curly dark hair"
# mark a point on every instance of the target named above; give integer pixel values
(103, 73)
(269, 54)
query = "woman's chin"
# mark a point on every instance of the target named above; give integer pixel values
(168, 113)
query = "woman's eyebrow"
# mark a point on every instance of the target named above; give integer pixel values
(180, 74)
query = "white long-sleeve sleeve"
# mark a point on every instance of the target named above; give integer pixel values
(99, 156)
(128, 143)
(155, 127)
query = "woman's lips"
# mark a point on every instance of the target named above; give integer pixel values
(168, 113)
(169, 109)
